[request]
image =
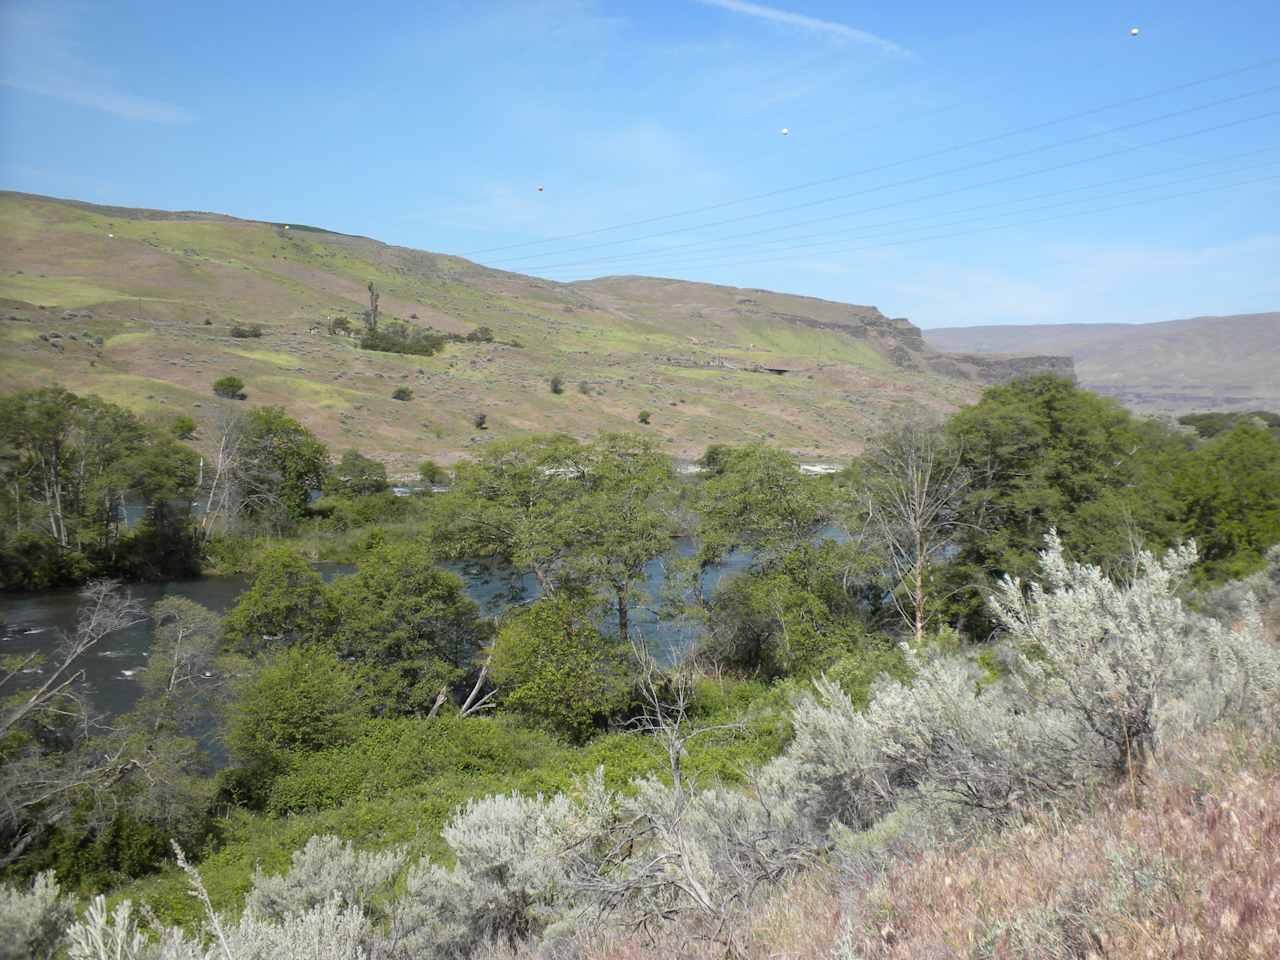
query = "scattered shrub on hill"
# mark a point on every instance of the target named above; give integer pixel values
(480, 335)
(480, 420)
(557, 384)
(584, 388)
(229, 387)
(401, 393)
(393, 336)
(183, 427)
(643, 416)
(243, 332)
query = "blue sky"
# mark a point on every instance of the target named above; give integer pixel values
(989, 163)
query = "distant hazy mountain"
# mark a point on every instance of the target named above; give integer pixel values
(1204, 363)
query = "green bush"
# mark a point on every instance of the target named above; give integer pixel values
(285, 604)
(393, 754)
(229, 387)
(396, 337)
(409, 622)
(555, 669)
(402, 393)
(644, 416)
(300, 699)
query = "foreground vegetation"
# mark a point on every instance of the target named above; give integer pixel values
(984, 633)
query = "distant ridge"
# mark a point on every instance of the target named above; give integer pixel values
(1174, 366)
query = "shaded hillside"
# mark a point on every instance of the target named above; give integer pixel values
(161, 291)
(1203, 363)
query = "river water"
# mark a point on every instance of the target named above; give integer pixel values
(37, 622)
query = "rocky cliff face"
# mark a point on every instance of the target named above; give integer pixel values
(997, 368)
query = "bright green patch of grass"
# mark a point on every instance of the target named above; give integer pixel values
(61, 291)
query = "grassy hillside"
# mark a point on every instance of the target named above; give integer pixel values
(1203, 363)
(163, 289)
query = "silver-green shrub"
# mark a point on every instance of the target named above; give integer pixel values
(32, 920)
(1126, 661)
(327, 868)
(515, 861)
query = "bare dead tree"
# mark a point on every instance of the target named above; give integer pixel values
(220, 502)
(916, 481)
(371, 318)
(51, 726)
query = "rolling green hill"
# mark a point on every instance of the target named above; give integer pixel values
(137, 306)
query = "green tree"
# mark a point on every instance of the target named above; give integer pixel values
(619, 518)
(229, 387)
(68, 466)
(300, 699)
(432, 473)
(357, 475)
(509, 503)
(552, 666)
(179, 672)
(1041, 452)
(1228, 493)
(798, 614)
(280, 464)
(756, 498)
(409, 622)
(286, 604)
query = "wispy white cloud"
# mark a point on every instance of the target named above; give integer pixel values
(41, 54)
(830, 28)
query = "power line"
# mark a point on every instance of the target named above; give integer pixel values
(890, 165)
(1009, 226)
(714, 255)
(1009, 178)
(1081, 138)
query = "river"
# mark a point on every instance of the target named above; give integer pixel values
(36, 622)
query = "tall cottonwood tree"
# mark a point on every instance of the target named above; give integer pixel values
(621, 518)
(578, 517)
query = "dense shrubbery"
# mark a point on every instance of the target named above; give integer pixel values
(831, 712)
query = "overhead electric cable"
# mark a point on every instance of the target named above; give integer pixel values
(933, 196)
(891, 164)
(1010, 226)
(820, 240)
(1081, 138)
